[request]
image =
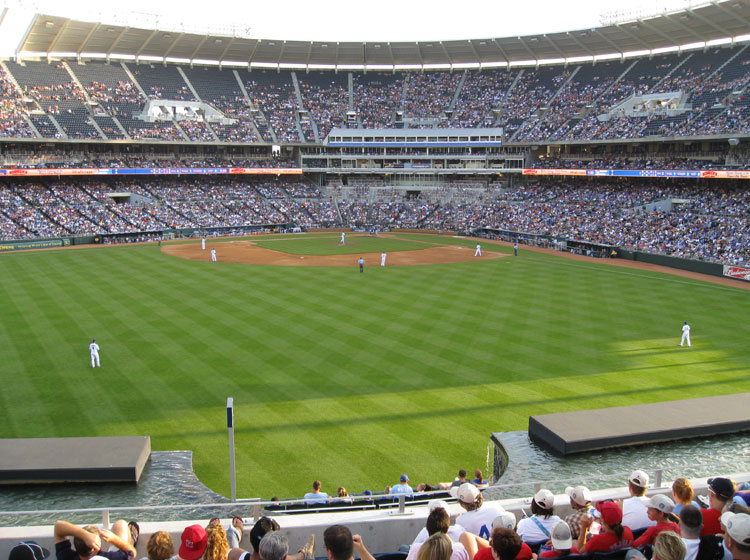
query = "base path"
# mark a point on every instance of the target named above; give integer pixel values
(242, 251)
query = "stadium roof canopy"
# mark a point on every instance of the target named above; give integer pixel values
(719, 21)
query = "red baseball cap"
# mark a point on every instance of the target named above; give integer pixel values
(193, 542)
(611, 512)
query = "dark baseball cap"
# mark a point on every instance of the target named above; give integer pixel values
(722, 487)
(28, 550)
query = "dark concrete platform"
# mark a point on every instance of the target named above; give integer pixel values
(94, 459)
(588, 430)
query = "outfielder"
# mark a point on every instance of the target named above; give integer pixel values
(94, 348)
(382, 258)
(213, 255)
(478, 252)
(203, 243)
(343, 237)
(685, 334)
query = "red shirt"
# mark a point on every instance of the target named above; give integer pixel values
(711, 523)
(555, 554)
(605, 542)
(486, 553)
(650, 534)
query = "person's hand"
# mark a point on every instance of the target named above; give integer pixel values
(92, 540)
(618, 501)
(358, 544)
(106, 535)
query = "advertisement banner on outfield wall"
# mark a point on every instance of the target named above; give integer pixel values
(153, 171)
(669, 173)
(41, 244)
(737, 272)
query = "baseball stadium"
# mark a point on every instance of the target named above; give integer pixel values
(266, 263)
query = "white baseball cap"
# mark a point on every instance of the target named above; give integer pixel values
(561, 537)
(432, 505)
(466, 493)
(579, 494)
(738, 526)
(639, 478)
(506, 520)
(545, 498)
(660, 502)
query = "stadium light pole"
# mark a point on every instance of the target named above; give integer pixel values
(230, 427)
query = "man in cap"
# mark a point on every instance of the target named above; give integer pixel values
(660, 511)
(562, 542)
(193, 543)
(737, 535)
(580, 503)
(87, 541)
(402, 487)
(28, 550)
(634, 510)
(720, 491)
(478, 518)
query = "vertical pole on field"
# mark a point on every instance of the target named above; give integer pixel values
(230, 427)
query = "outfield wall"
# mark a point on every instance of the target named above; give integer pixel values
(382, 531)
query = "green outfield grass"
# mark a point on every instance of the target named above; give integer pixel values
(346, 377)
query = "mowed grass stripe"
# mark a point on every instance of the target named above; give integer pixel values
(360, 377)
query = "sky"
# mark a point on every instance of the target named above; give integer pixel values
(349, 20)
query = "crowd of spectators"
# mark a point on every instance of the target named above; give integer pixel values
(583, 102)
(676, 525)
(693, 220)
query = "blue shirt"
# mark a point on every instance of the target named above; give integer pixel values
(402, 489)
(316, 498)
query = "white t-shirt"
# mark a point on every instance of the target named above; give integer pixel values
(635, 513)
(692, 548)
(454, 532)
(459, 552)
(530, 532)
(480, 520)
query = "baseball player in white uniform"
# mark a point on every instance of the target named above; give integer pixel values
(343, 237)
(478, 252)
(382, 258)
(203, 243)
(685, 334)
(213, 255)
(94, 348)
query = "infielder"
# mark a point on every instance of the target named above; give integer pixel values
(478, 252)
(382, 258)
(685, 334)
(94, 348)
(361, 262)
(343, 237)
(213, 255)
(203, 243)
(515, 250)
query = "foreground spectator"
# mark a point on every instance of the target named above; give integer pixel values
(437, 547)
(539, 526)
(634, 510)
(454, 531)
(580, 502)
(340, 544)
(614, 535)
(660, 511)
(477, 519)
(160, 546)
(88, 541)
(273, 546)
(720, 491)
(193, 543)
(668, 546)
(438, 523)
(705, 547)
(28, 550)
(217, 545)
(506, 521)
(737, 535)
(562, 542)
